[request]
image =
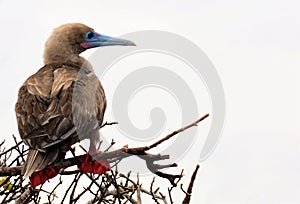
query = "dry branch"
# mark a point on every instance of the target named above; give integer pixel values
(110, 190)
(188, 194)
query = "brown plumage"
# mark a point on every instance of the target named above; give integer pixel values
(64, 101)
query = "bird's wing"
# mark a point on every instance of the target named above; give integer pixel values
(89, 104)
(42, 107)
(54, 105)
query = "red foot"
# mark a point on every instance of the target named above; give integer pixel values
(92, 166)
(40, 177)
(86, 165)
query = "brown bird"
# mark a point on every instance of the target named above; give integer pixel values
(63, 102)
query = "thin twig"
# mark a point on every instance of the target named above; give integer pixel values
(190, 188)
(178, 131)
(108, 123)
(152, 192)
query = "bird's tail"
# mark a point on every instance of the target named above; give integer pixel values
(37, 160)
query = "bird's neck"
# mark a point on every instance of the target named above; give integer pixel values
(55, 58)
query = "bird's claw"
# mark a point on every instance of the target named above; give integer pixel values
(40, 177)
(88, 165)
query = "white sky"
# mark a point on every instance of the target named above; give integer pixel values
(255, 47)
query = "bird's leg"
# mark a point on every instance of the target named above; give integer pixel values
(93, 147)
(88, 164)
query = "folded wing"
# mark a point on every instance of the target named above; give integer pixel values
(56, 107)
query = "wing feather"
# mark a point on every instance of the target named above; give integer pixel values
(56, 106)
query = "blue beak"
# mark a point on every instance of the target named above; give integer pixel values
(98, 40)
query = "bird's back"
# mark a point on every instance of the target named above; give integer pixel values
(57, 104)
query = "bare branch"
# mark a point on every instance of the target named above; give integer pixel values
(152, 192)
(26, 196)
(178, 131)
(10, 171)
(111, 187)
(190, 188)
(108, 123)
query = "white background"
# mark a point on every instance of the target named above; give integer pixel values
(254, 46)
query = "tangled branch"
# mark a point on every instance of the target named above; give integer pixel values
(107, 188)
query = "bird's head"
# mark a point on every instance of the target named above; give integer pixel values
(69, 40)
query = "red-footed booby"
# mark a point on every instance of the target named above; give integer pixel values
(49, 109)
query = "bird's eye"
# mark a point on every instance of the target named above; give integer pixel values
(90, 35)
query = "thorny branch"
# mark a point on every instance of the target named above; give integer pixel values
(110, 187)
